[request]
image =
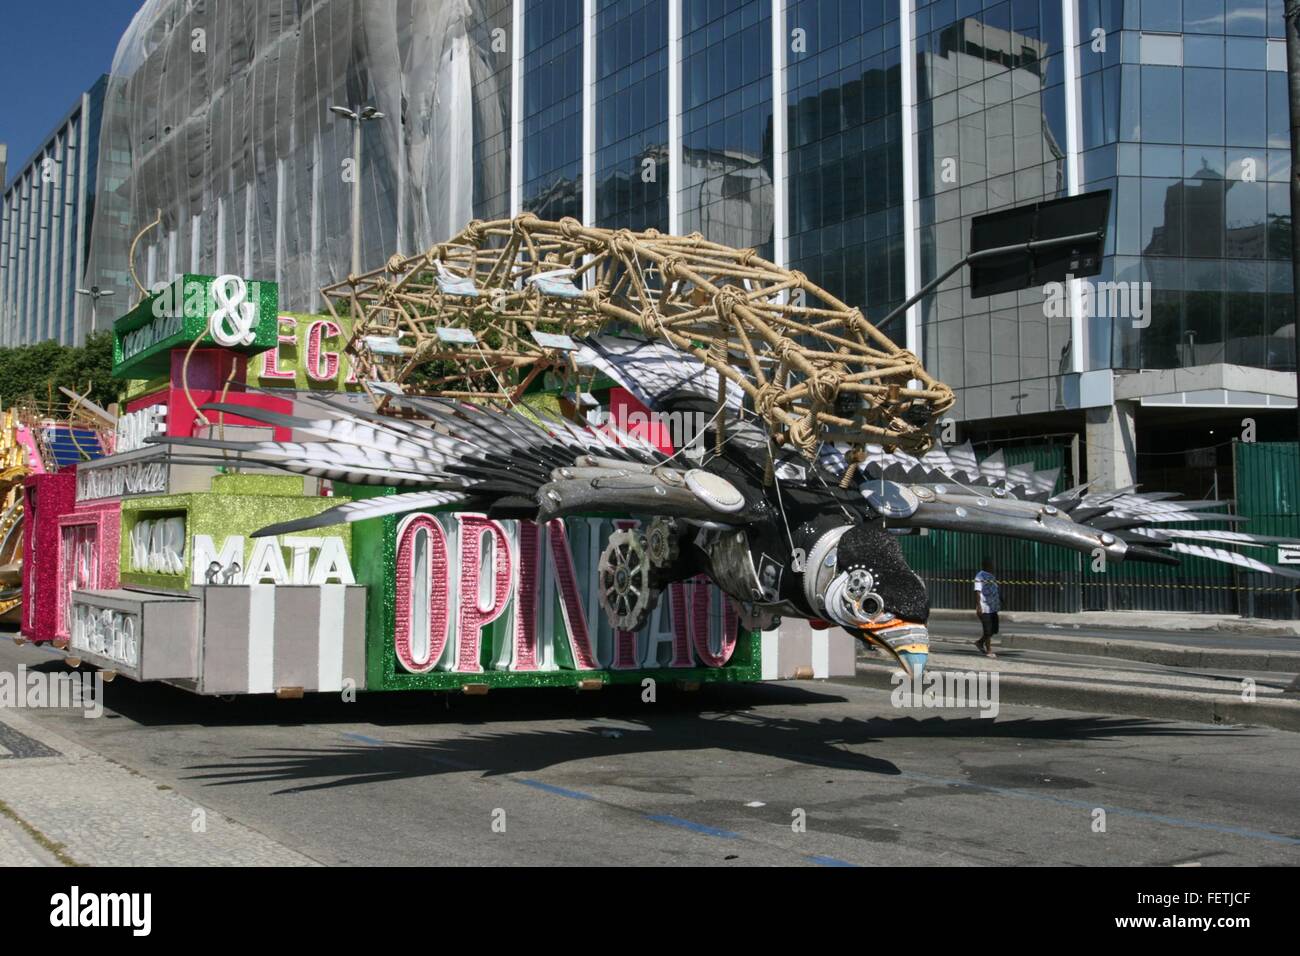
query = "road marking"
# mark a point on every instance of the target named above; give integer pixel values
(664, 818)
(673, 821)
(551, 788)
(830, 861)
(363, 738)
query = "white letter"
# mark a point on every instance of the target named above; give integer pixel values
(332, 563)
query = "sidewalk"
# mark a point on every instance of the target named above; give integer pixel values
(64, 805)
(1138, 620)
(1219, 655)
(1210, 683)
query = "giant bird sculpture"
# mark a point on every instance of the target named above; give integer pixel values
(781, 536)
(816, 448)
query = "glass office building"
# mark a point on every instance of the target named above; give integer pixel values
(45, 216)
(851, 139)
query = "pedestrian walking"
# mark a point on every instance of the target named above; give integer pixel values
(989, 602)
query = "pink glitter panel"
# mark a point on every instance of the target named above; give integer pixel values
(182, 423)
(271, 358)
(209, 368)
(89, 552)
(526, 599)
(701, 599)
(472, 617)
(34, 463)
(575, 617)
(435, 570)
(681, 631)
(46, 498)
(316, 333)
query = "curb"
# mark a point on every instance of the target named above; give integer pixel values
(1193, 706)
(1151, 652)
(1179, 623)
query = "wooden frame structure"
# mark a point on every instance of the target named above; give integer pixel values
(485, 313)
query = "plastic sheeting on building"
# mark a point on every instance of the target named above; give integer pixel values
(217, 114)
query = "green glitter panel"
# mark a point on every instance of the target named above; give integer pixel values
(166, 328)
(261, 500)
(293, 357)
(374, 554)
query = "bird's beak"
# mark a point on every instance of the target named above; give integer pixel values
(907, 642)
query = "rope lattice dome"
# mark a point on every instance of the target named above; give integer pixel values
(487, 312)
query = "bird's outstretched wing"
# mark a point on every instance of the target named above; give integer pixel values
(489, 458)
(952, 490)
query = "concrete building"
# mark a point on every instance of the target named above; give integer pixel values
(895, 122)
(45, 220)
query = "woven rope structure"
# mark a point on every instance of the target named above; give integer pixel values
(471, 317)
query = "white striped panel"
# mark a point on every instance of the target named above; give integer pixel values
(329, 673)
(771, 644)
(261, 638)
(821, 653)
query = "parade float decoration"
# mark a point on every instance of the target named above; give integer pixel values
(153, 565)
(815, 446)
(487, 486)
(50, 439)
(17, 449)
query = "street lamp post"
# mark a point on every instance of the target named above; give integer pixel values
(357, 116)
(95, 293)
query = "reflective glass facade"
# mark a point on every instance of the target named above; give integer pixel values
(845, 153)
(990, 134)
(552, 108)
(1186, 119)
(726, 68)
(488, 31)
(901, 120)
(632, 114)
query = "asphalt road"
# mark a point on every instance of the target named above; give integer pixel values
(713, 777)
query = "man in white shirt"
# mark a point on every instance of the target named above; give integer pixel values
(989, 602)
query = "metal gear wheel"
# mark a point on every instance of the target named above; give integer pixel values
(626, 592)
(663, 544)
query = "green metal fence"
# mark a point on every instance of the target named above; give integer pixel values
(1267, 478)
(1037, 577)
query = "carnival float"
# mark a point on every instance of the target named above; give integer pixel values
(538, 454)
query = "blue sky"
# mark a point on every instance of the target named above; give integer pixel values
(50, 53)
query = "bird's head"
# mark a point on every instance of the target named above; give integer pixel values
(857, 577)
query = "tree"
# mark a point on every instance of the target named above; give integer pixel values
(36, 371)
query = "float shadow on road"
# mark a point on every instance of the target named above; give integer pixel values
(499, 747)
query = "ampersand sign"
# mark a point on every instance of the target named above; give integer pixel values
(232, 321)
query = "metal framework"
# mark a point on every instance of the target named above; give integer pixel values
(487, 312)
